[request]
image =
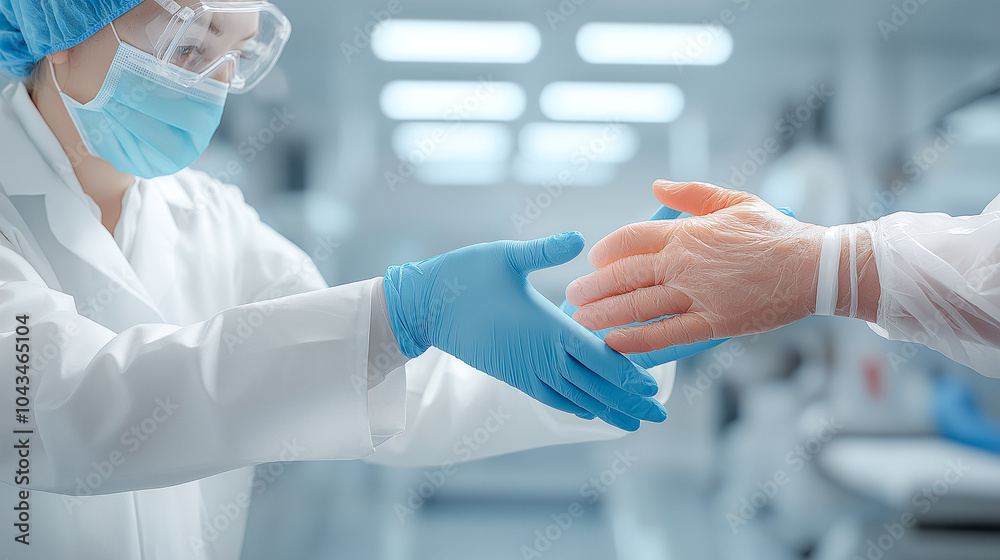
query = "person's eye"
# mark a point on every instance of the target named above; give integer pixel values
(185, 54)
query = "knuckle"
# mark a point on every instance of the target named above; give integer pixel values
(619, 278)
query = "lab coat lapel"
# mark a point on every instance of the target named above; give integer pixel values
(153, 249)
(101, 281)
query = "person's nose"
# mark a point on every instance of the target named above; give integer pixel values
(225, 72)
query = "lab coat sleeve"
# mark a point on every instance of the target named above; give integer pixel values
(457, 413)
(159, 404)
(271, 266)
(449, 405)
(940, 284)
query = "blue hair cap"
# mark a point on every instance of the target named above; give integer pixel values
(32, 29)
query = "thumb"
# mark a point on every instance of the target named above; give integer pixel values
(527, 256)
(697, 199)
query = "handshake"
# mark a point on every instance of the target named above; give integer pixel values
(654, 280)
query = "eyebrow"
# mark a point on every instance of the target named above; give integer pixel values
(217, 31)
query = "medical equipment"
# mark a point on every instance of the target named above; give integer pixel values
(30, 30)
(143, 122)
(238, 42)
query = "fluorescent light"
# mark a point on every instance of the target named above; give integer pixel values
(420, 143)
(462, 173)
(453, 101)
(645, 43)
(401, 40)
(543, 173)
(601, 101)
(578, 145)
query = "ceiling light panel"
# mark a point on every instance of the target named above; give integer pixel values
(505, 42)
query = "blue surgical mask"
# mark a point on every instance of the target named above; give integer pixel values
(144, 123)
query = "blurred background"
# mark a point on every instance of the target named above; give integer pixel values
(453, 123)
(394, 130)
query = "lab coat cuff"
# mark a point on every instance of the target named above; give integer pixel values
(387, 407)
(384, 354)
(386, 375)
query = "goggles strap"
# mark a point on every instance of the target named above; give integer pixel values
(173, 8)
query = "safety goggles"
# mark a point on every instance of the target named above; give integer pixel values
(234, 42)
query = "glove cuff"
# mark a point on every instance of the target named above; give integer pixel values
(408, 343)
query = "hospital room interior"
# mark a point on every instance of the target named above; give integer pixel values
(394, 130)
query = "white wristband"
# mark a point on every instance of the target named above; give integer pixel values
(829, 270)
(854, 272)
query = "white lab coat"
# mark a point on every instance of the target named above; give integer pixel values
(169, 359)
(940, 280)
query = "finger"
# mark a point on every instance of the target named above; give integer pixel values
(614, 417)
(787, 211)
(593, 353)
(643, 408)
(633, 239)
(639, 306)
(550, 397)
(697, 198)
(536, 254)
(674, 353)
(620, 277)
(686, 328)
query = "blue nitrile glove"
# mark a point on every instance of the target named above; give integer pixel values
(959, 418)
(674, 353)
(658, 357)
(476, 304)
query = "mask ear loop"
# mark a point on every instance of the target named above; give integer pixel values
(52, 69)
(115, 31)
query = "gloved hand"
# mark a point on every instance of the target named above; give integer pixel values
(667, 355)
(476, 304)
(658, 357)
(673, 353)
(738, 266)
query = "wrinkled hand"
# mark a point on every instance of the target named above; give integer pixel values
(657, 357)
(666, 355)
(477, 304)
(738, 266)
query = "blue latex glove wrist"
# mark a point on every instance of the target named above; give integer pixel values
(674, 353)
(476, 304)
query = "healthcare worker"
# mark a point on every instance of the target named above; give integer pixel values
(738, 266)
(159, 341)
